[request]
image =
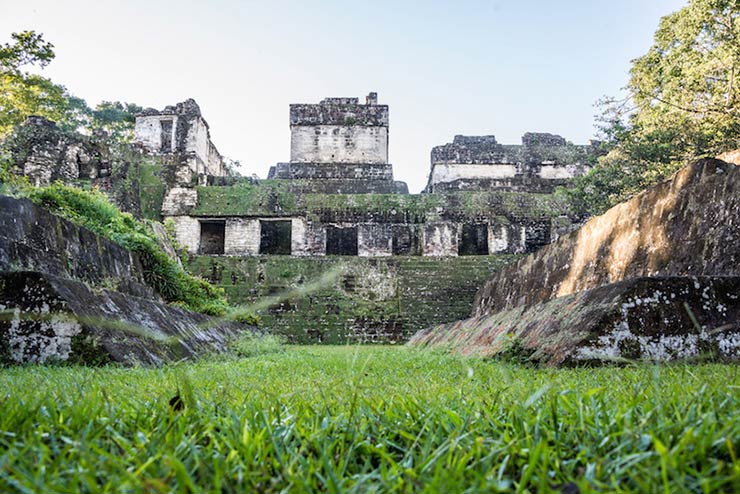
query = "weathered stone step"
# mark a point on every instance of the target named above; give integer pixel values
(50, 318)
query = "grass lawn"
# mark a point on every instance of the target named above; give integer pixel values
(369, 419)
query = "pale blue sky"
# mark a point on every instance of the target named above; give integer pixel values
(445, 68)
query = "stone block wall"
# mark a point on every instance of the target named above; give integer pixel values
(540, 163)
(382, 300)
(242, 236)
(180, 129)
(338, 144)
(33, 239)
(685, 226)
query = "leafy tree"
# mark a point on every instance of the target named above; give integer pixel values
(28, 48)
(116, 118)
(23, 94)
(682, 102)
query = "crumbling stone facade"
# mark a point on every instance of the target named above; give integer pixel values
(182, 131)
(44, 153)
(539, 164)
(337, 196)
(340, 146)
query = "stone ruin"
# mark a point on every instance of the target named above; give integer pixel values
(541, 163)
(180, 131)
(44, 153)
(67, 294)
(656, 277)
(339, 147)
(400, 262)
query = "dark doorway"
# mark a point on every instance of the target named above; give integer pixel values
(166, 146)
(474, 240)
(212, 235)
(535, 236)
(275, 237)
(341, 241)
(406, 240)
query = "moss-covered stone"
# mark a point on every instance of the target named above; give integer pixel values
(340, 299)
(274, 198)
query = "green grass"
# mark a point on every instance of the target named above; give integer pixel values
(369, 419)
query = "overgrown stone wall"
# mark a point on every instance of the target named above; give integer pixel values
(134, 182)
(437, 224)
(31, 238)
(360, 299)
(182, 130)
(656, 277)
(52, 319)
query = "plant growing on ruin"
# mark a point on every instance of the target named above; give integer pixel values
(92, 210)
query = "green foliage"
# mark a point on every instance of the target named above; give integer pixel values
(116, 118)
(28, 48)
(683, 102)
(247, 317)
(274, 197)
(23, 94)
(370, 419)
(93, 211)
(250, 344)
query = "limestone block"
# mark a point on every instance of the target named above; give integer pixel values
(440, 239)
(242, 237)
(374, 240)
(298, 240)
(179, 201)
(498, 239)
(187, 231)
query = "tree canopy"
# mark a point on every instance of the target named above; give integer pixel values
(682, 102)
(23, 93)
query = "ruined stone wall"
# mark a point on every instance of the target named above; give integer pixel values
(362, 299)
(339, 139)
(180, 129)
(338, 144)
(656, 277)
(478, 223)
(685, 226)
(55, 319)
(542, 162)
(31, 238)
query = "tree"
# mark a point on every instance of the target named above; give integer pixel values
(23, 94)
(116, 118)
(682, 102)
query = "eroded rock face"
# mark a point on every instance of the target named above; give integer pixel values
(686, 226)
(48, 318)
(32, 238)
(661, 319)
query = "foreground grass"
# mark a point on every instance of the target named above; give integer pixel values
(370, 419)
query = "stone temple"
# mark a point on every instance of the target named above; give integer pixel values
(331, 248)
(337, 195)
(396, 262)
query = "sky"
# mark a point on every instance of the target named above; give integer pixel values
(501, 67)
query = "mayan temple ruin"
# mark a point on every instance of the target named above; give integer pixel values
(340, 147)
(392, 263)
